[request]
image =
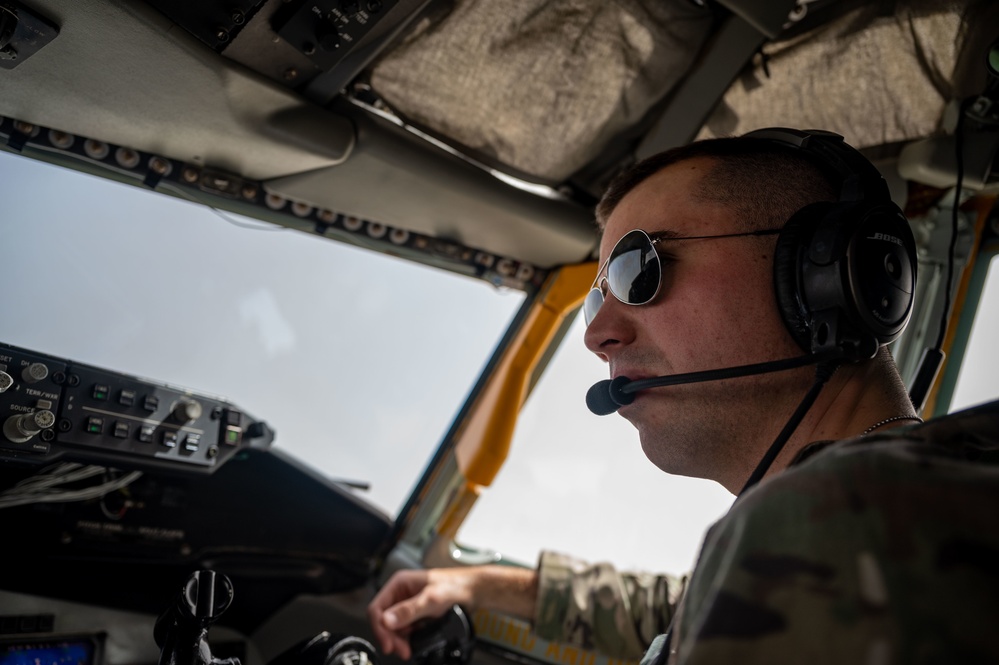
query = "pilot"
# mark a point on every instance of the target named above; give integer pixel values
(858, 533)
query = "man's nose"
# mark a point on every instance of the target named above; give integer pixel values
(610, 328)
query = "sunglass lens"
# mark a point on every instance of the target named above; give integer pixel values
(633, 271)
(594, 299)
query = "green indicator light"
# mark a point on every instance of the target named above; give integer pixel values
(94, 429)
(100, 395)
(232, 436)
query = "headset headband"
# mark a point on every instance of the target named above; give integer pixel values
(856, 177)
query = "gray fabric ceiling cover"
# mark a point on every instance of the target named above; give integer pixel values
(541, 85)
(873, 78)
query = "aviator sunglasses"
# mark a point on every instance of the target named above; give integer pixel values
(633, 272)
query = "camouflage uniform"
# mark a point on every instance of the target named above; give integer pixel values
(597, 607)
(881, 549)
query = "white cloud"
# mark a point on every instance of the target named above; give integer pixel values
(260, 309)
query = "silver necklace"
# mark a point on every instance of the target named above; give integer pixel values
(888, 420)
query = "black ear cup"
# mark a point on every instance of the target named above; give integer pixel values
(844, 272)
(844, 276)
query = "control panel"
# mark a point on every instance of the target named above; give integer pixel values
(317, 47)
(52, 408)
(326, 30)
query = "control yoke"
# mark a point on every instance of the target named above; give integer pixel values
(181, 632)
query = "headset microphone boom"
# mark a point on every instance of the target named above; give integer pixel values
(607, 396)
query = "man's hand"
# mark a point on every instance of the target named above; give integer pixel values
(411, 595)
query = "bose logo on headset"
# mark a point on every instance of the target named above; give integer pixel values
(885, 236)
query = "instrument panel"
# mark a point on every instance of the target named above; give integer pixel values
(54, 408)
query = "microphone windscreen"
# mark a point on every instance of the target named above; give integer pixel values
(606, 397)
(598, 399)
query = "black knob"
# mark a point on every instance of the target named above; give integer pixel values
(182, 630)
(327, 36)
(207, 595)
(256, 430)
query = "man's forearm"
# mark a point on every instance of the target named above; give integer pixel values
(507, 589)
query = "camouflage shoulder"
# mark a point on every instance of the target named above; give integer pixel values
(866, 553)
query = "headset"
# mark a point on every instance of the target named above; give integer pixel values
(844, 279)
(844, 271)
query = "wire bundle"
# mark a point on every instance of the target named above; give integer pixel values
(47, 486)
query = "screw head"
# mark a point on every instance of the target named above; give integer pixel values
(159, 165)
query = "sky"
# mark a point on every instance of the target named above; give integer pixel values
(347, 354)
(358, 361)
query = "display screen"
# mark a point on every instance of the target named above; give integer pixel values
(55, 651)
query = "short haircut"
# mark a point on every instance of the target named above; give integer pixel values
(763, 182)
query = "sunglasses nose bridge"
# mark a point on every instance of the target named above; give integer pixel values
(602, 285)
(599, 299)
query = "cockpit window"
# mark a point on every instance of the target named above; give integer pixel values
(576, 482)
(977, 381)
(357, 360)
(581, 483)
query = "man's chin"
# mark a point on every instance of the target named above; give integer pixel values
(667, 447)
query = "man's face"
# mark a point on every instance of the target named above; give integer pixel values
(715, 309)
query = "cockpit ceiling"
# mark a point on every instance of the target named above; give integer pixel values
(493, 124)
(545, 87)
(874, 78)
(541, 86)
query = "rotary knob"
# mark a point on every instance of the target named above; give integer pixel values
(328, 35)
(22, 428)
(186, 410)
(34, 373)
